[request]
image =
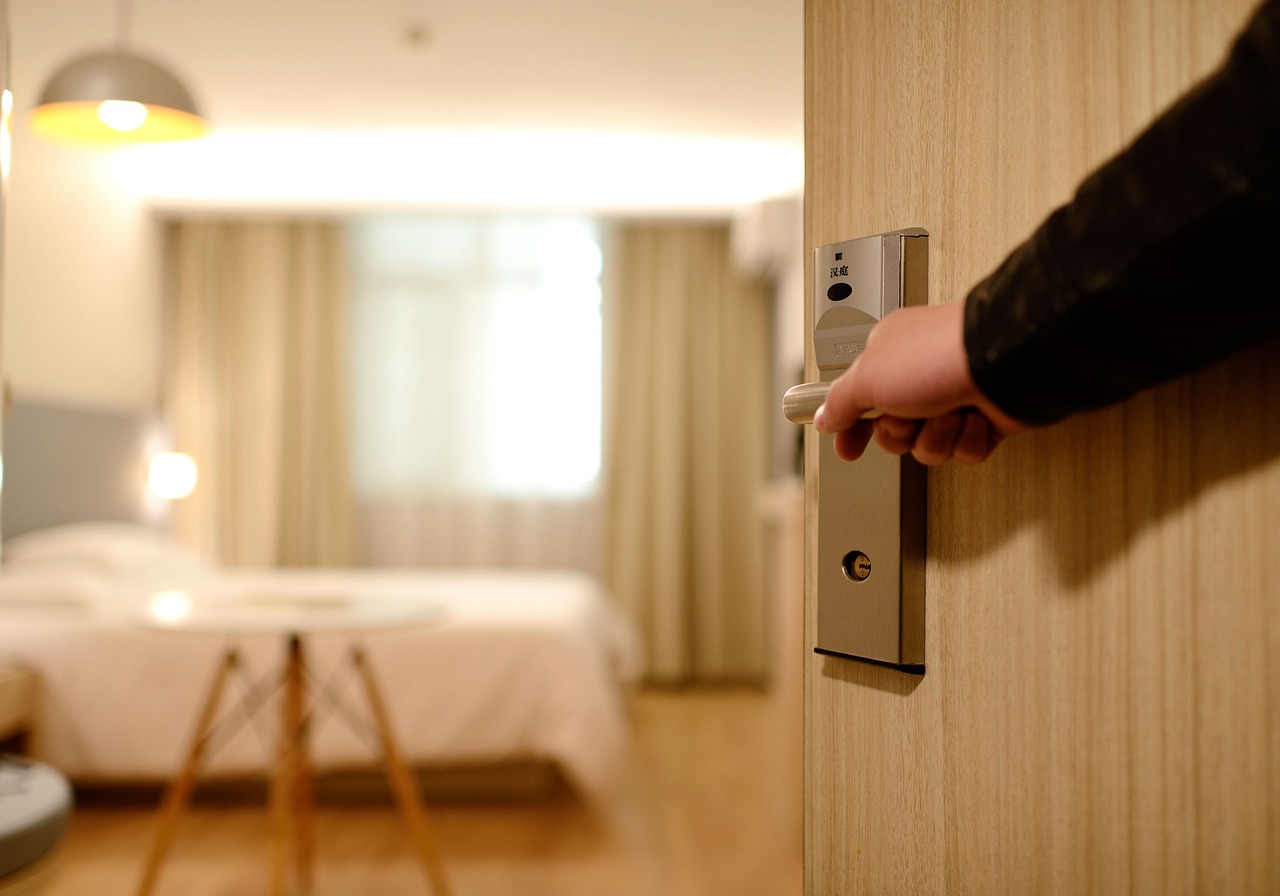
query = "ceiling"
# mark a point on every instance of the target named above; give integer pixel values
(579, 102)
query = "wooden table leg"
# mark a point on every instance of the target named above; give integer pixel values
(284, 785)
(305, 795)
(179, 793)
(402, 783)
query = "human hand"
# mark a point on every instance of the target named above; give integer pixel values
(915, 370)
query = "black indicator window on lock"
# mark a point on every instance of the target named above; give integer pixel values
(838, 292)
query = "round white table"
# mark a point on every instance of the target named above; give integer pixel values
(292, 616)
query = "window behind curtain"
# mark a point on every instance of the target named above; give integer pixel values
(476, 375)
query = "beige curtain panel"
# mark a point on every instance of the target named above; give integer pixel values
(256, 389)
(687, 358)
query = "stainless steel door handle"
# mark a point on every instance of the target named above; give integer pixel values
(801, 402)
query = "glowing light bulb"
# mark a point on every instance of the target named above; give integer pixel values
(172, 475)
(122, 115)
(173, 605)
(6, 133)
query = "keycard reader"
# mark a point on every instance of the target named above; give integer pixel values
(871, 512)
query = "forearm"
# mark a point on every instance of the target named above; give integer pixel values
(1152, 270)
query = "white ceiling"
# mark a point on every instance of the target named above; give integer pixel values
(581, 102)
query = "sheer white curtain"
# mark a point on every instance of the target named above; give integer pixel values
(476, 357)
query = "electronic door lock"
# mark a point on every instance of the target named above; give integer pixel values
(871, 512)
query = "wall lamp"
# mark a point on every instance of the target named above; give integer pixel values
(171, 475)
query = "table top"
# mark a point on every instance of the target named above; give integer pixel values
(193, 610)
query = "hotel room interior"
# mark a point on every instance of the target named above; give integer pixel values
(472, 322)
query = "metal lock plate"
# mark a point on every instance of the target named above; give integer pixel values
(871, 512)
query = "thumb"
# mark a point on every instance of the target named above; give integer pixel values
(844, 403)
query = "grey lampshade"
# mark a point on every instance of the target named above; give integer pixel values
(69, 105)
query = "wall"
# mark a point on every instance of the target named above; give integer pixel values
(81, 315)
(768, 241)
(82, 311)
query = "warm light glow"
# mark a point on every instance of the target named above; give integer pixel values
(6, 132)
(82, 122)
(172, 475)
(496, 169)
(122, 115)
(170, 606)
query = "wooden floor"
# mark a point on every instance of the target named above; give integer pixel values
(701, 811)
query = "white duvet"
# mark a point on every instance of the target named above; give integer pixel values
(517, 665)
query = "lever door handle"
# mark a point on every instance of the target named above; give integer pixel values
(801, 402)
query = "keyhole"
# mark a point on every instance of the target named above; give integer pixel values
(856, 565)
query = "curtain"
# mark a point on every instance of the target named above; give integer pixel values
(256, 389)
(687, 358)
(475, 347)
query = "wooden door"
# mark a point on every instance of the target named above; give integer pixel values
(1101, 711)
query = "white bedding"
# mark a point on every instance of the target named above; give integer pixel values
(520, 665)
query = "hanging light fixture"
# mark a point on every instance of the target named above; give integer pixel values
(116, 96)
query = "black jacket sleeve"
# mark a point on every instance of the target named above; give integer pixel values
(1166, 259)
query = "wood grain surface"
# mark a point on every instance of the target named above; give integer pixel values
(1103, 624)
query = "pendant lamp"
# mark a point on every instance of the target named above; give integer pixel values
(116, 96)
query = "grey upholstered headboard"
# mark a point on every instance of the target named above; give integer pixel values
(66, 464)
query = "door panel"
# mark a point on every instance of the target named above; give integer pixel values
(1099, 712)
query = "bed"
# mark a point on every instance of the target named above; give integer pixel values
(516, 665)
(521, 668)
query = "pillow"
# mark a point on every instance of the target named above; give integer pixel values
(105, 547)
(49, 589)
